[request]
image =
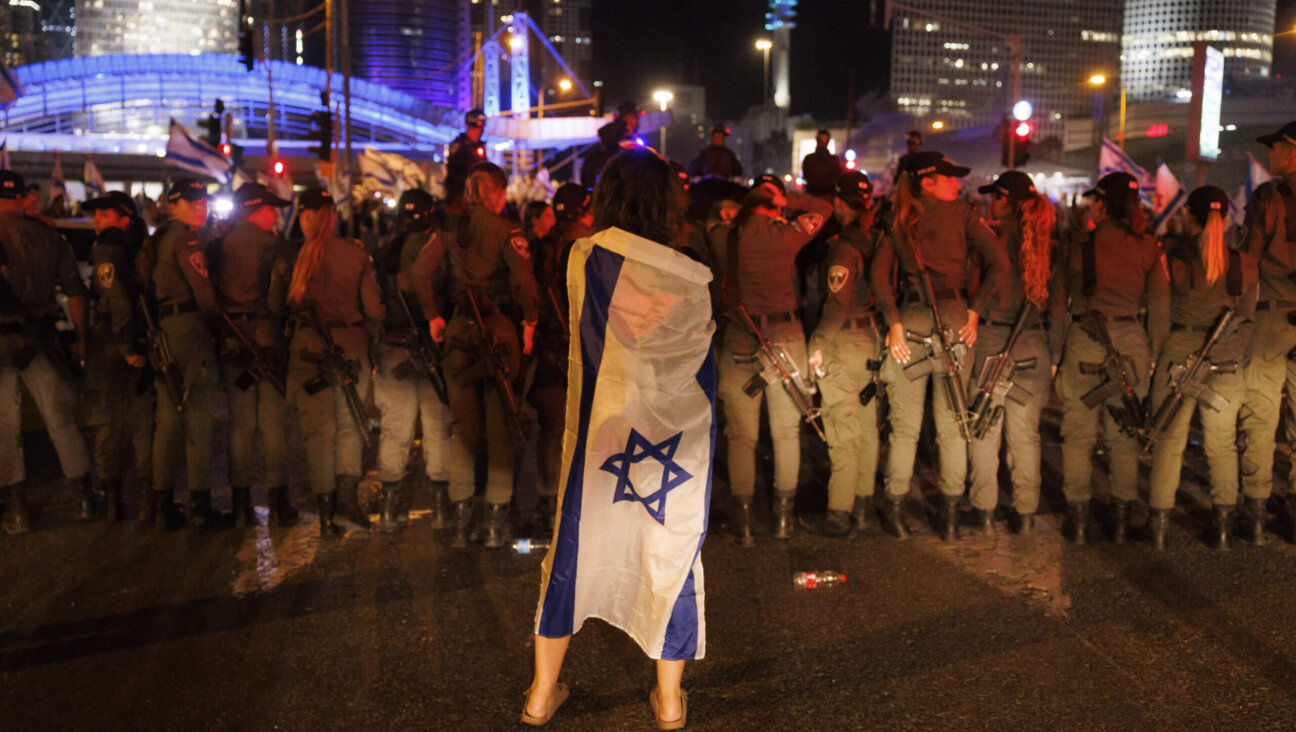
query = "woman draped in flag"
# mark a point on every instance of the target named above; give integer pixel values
(639, 441)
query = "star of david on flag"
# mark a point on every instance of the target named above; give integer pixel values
(638, 448)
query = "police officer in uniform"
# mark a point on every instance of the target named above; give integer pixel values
(404, 395)
(1206, 278)
(716, 160)
(612, 137)
(484, 253)
(466, 150)
(945, 231)
(1024, 220)
(186, 302)
(845, 340)
(243, 263)
(1271, 241)
(755, 256)
(34, 261)
(821, 169)
(1114, 270)
(119, 401)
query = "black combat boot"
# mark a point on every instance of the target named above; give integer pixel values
(463, 513)
(548, 509)
(1022, 523)
(202, 518)
(1119, 520)
(16, 519)
(893, 521)
(1221, 526)
(441, 512)
(985, 525)
(114, 507)
(1076, 528)
(349, 511)
(389, 520)
(89, 497)
(742, 522)
(170, 516)
(1157, 525)
(282, 513)
(783, 526)
(328, 503)
(1251, 522)
(833, 524)
(860, 515)
(244, 514)
(498, 532)
(947, 520)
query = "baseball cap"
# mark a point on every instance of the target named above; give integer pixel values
(11, 185)
(114, 201)
(570, 200)
(414, 203)
(1013, 185)
(853, 187)
(934, 163)
(475, 118)
(313, 199)
(251, 196)
(720, 129)
(1286, 134)
(1206, 199)
(188, 189)
(764, 178)
(1112, 184)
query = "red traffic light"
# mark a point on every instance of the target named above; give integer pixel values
(1023, 130)
(278, 167)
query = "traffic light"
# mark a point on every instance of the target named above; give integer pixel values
(234, 153)
(1021, 133)
(247, 52)
(322, 133)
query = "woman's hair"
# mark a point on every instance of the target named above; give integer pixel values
(636, 193)
(530, 213)
(1035, 219)
(908, 209)
(1211, 244)
(312, 252)
(1124, 207)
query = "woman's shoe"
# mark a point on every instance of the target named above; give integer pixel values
(672, 723)
(559, 696)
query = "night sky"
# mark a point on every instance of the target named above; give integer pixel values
(644, 44)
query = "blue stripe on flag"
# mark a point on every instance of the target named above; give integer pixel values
(602, 269)
(682, 630)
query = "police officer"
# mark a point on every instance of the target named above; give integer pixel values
(755, 256)
(243, 263)
(119, 401)
(843, 344)
(404, 395)
(1024, 220)
(1113, 270)
(1270, 240)
(913, 146)
(466, 150)
(185, 301)
(821, 169)
(612, 137)
(930, 223)
(34, 261)
(1206, 278)
(331, 287)
(716, 160)
(486, 256)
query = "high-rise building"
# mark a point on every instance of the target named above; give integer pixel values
(567, 24)
(962, 76)
(156, 26)
(22, 40)
(1157, 45)
(415, 46)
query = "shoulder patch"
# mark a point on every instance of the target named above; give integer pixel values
(520, 245)
(199, 263)
(809, 222)
(837, 276)
(105, 275)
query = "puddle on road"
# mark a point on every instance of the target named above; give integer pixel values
(267, 558)
(1023, 566)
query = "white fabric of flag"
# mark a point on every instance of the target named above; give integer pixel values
(1112, 159)
(94, 182)
(1170, 197)
(1256, 176)
(185, 152)
(637, 448)
(10, 87)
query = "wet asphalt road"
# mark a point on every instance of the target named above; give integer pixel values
(103, 629)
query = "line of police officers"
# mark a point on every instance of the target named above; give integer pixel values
(278, 324)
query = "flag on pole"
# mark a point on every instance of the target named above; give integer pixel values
(638, 448)
(1169, 197)
(185, 152)
(4, 155)
(10, 87)
(1256, 176)
(1112, 159)
(94, 182)
(58, 185)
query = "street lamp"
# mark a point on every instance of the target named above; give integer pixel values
(1100, 81)
(662, 96)
(764, 45)
(565, 85)
(938, 125)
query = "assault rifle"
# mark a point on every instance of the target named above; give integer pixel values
(164, 365)
(777, 365)
(996, 384)
(262, 367)
(1119, 378)
(423, 353)
(947, 351)
(344, 373)
(1189, 380)
(496, 360)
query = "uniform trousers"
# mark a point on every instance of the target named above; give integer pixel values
(476, 406)
(194, 351)
(55, 400)
(1265, 374)
(549, 397)
(259, 408)
(403, 403)
(120, 415)
(330, 433)
(851, 427)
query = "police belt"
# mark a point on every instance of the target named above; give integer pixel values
(1275, 305)
(941, 293)
(997, 323)
(1192, 328)
(249, 317)
(1116, 318)
(331, 324)
(771, 318)
(862, 322)
(177, 308)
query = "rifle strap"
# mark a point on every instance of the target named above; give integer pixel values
(1233, 280)
(731, 291)
(1089, 266)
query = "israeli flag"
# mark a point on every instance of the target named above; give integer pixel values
(1170, 196)
(637, 450)
(94, 182)
(1112, 159)
(1256, 176)
(187, 153)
